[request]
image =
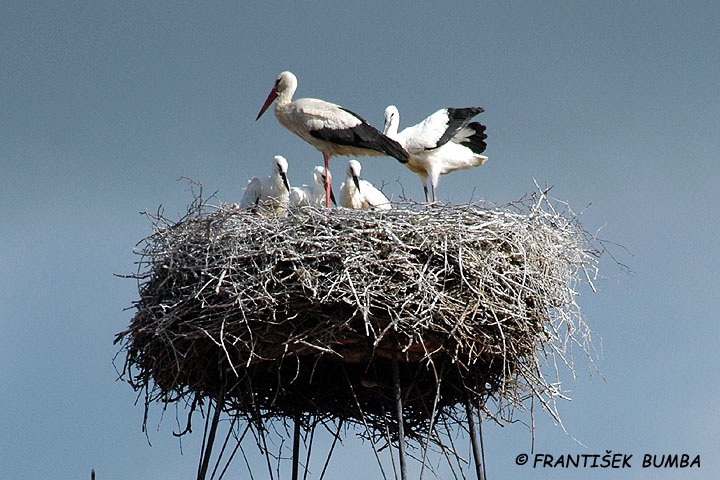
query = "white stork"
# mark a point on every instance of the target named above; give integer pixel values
(313, 194)
(330, 128)
(269, 194)
(360, 194)
(442, 143)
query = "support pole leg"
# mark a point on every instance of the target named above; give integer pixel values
(219, 402)
(474, 440)
(401, 424)
(296, 447)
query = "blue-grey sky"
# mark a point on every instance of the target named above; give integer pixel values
(104, 105)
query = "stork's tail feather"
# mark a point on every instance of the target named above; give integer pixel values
(473, 136)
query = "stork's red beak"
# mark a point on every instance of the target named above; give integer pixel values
(271, 98)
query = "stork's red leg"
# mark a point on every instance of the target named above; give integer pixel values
(327, 180)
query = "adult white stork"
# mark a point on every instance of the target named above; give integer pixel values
(330, 128)
(269, 194)
(313, 194)
(442, 143)
(358, 194)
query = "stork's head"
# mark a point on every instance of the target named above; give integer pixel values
(392, 120)
(280, 168)
(285, 85)
(319, 177)
(353, 171)
(319, 174)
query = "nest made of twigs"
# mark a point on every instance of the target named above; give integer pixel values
(275, 317)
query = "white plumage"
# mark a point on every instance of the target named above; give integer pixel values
(442, 143)
(330, 128)
(359, 194)
(269, 194)
(314, 194)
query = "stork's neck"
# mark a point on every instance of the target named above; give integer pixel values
(351, 186)
(318, 184)
(287, 90)
(284, 97)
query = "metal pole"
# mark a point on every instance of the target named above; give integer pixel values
(401, 424)
(219, 402)
(473, 440)
(296, 447)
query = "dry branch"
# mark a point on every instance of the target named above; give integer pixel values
(302, 314)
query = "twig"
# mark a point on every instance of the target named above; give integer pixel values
(484, 294)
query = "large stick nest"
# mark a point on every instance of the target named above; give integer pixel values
(277, 317)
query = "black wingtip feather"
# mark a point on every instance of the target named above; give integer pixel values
(385, 144)
(364, 136)
(458, 118)
(476, 141)
(464, 113)
(394, 149)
